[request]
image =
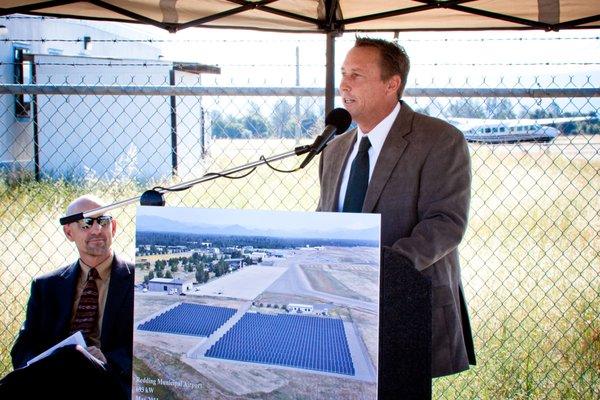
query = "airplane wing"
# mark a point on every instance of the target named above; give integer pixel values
(562, 120)
(469, 123)
(512, 130)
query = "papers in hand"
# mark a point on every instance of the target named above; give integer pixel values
(76, 338)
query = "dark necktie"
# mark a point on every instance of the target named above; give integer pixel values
(359, 178)
(86, 316)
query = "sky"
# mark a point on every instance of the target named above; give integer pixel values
(478, 59)
(264, 219)
(255, 57)
(494, 59)
(434, 55)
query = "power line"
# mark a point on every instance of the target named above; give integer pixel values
(168, 62)
(271, 40)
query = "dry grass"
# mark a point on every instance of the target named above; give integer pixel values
(530, 258)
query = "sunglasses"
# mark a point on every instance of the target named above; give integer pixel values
(87, 223)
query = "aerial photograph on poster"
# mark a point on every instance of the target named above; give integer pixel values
(235, 304)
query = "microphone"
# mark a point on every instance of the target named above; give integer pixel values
(336, 122)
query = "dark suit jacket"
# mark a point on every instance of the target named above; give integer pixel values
(49, 314)
(421, 187)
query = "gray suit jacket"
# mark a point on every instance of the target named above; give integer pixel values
(421, 186)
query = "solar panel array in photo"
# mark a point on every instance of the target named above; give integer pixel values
(189, 319)
(305, 342)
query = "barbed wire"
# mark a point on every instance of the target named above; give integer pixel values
(26, 17)
(271, 40)
(168, 62)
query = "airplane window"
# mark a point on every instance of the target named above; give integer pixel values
(502, 129)
(487, 130)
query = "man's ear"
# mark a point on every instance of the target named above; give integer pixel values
(67, 231)
(393, 83)
(113, 226)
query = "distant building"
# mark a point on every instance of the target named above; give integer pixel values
(58, 136)
(169, 285)
(320, 309)
(177, 249)
(299, 308)
(210, 252)
(230, 250)
(234, 263)
(257, 256)
(308, 248)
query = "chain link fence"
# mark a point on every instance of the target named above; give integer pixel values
(530, 258)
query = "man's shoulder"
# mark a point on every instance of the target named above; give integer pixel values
(57, 273)
(123, 267)
(433, 127)
(341, 140)
(123, 262)
(440, 124)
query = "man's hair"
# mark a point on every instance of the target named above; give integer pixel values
(393, 59)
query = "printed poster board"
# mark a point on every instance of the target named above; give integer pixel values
(234, 304)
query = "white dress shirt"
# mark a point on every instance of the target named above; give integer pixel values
(377, 137)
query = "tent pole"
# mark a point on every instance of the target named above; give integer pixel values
(330, 72)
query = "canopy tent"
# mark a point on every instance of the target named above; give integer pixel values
(326, 15)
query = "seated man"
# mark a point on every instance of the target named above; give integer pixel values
(93, 295)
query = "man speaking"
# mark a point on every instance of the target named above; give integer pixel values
(414, 170)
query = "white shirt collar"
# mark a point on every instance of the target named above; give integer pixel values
(378, 134)
(377, 137)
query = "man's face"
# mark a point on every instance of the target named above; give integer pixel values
(365, 95)
(95, 241)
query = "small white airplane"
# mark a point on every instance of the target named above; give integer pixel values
(511, 130)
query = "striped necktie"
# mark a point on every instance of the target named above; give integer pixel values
(86, 316)
(358, 181)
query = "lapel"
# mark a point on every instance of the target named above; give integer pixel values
(392, 150)
(118, 290)
(66, 297)
(338, 161)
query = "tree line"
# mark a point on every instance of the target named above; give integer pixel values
(231, 241)
(281, 121)
(202, 264)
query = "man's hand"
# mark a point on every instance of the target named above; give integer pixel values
(96, 352)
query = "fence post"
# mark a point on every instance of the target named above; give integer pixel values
(173, 101)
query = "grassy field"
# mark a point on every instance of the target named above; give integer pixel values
(530, 259)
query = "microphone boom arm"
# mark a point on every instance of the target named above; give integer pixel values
(338, 120)
(298, 151)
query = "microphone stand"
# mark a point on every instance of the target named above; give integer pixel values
(155, 197)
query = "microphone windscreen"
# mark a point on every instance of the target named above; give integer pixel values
(340, 118)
